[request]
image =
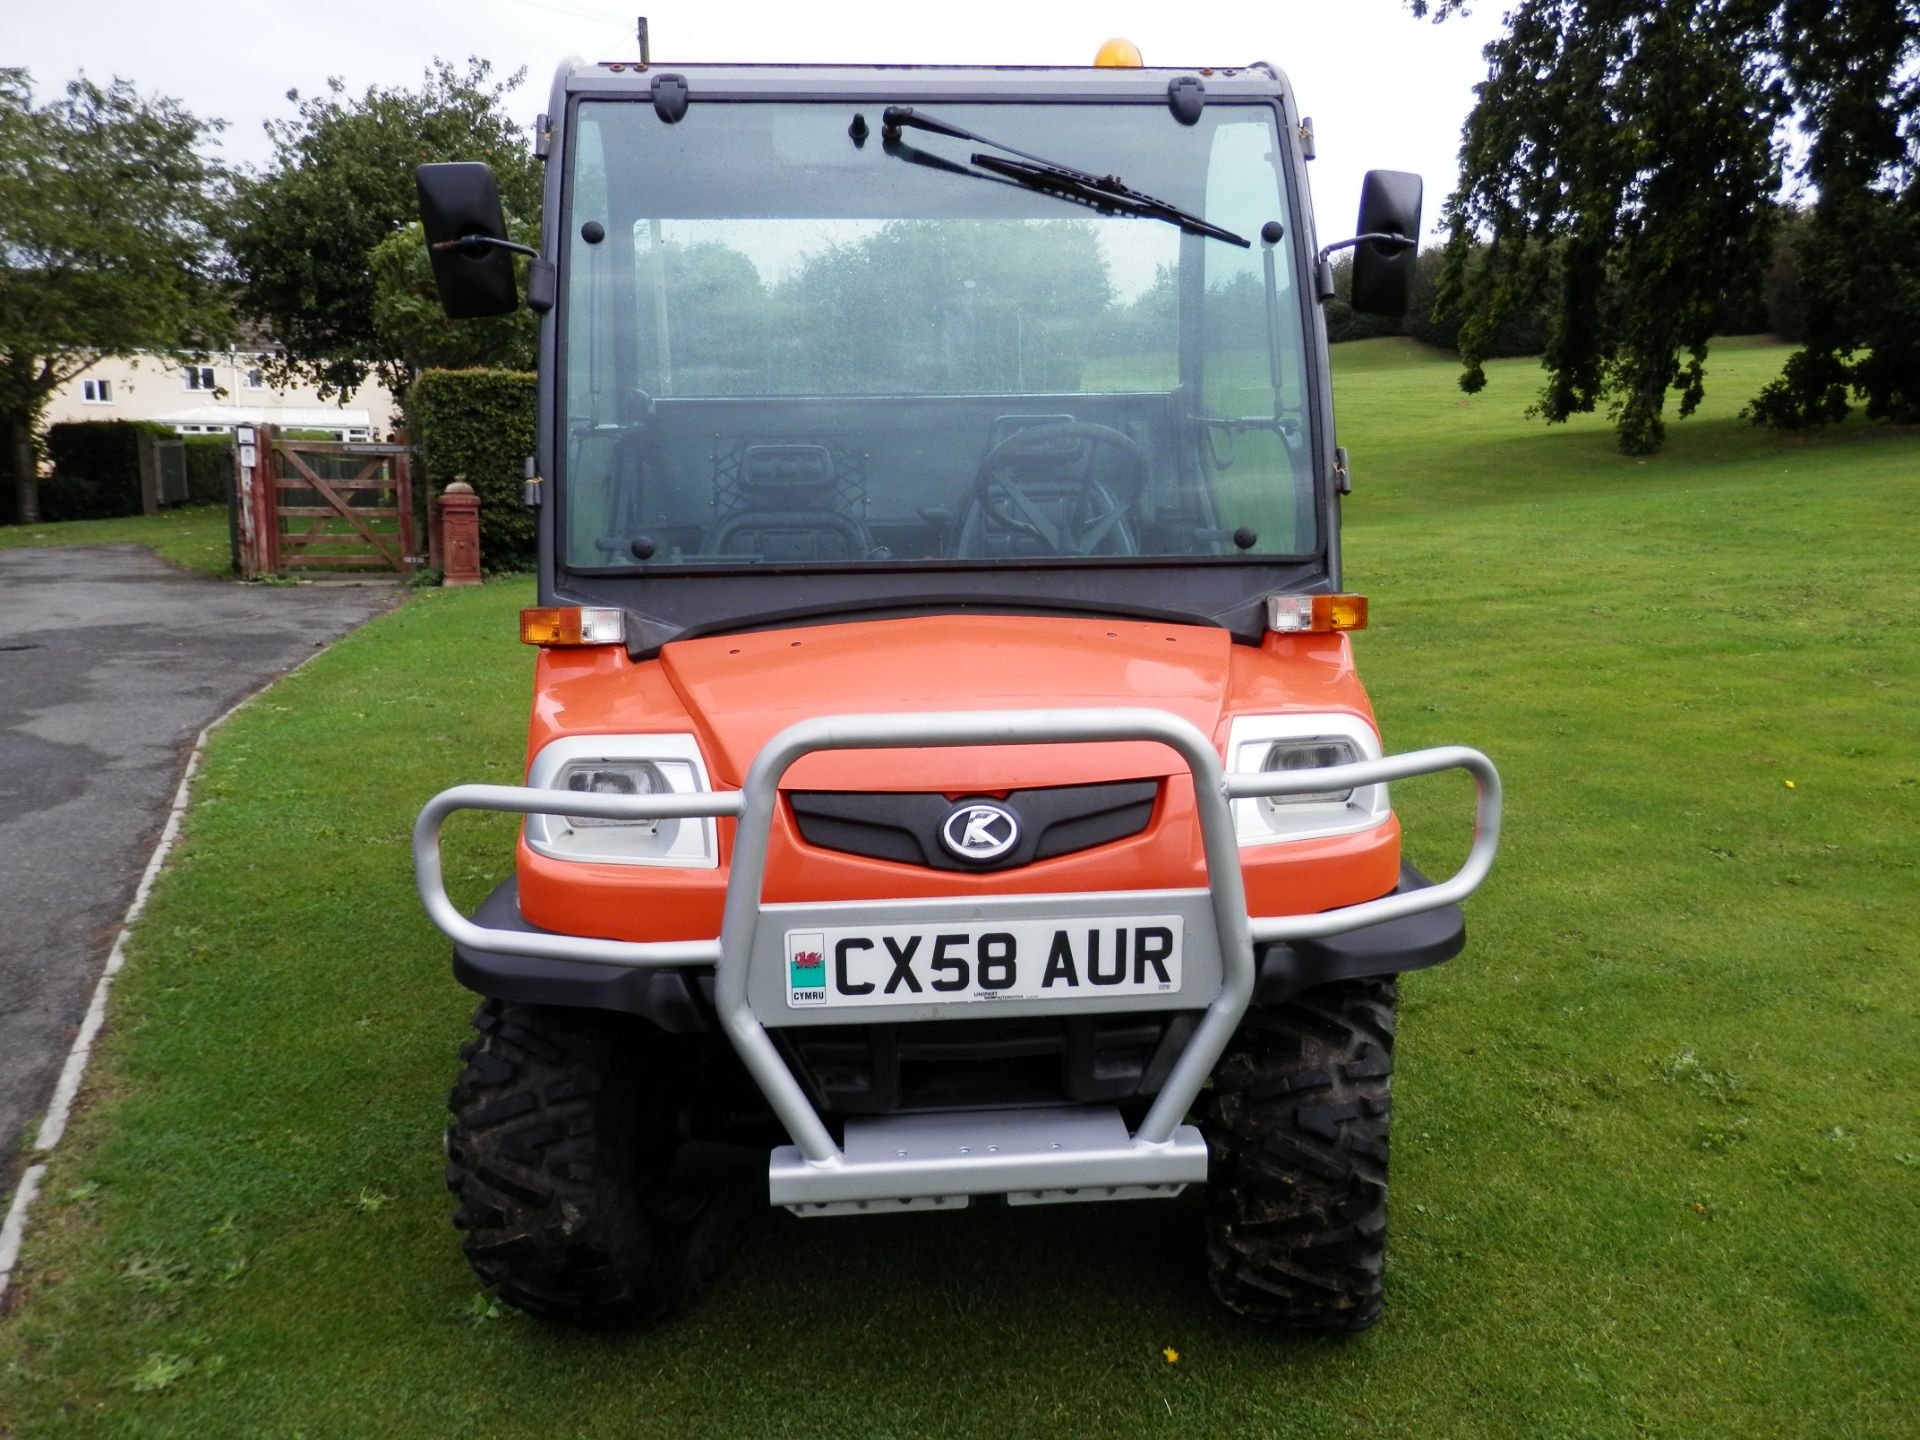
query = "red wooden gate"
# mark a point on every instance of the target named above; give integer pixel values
(312, 505)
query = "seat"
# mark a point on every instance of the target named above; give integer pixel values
(787, 507)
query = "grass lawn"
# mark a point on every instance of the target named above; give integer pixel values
(1657, 1147)
(193, 537)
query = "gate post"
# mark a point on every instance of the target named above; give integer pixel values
(266, 502)
(403, 502)
(240, 506)
(460, 527)
(252, 491)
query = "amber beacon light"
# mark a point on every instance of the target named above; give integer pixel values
(1119, 53)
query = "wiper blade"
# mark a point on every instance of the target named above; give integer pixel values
(1105, 191)
(1066, 180)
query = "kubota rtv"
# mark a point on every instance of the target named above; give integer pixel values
(948, 782)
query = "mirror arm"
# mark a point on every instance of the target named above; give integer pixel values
(1323, 267)
(474, 244)
(1385, 237)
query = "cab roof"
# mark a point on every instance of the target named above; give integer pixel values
(918, 82)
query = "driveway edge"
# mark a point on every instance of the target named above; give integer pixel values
(53, 1126)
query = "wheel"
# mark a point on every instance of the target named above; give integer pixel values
(1296, 1123)
(564, 1129)
(1038, 489)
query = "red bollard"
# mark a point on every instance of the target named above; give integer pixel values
(460, 533)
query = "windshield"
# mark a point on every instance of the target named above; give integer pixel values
(792, 337)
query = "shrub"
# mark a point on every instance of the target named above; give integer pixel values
(96, 469)
(480, 424)
(1344, 323)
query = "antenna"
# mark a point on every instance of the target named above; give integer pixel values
(641, 26)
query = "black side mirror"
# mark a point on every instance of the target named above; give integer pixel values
(467, 240)
(1383, 266)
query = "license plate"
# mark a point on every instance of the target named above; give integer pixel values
(997, 960)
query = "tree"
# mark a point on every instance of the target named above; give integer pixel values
(1523, 332)
(1624, 156)
(715, 335)
(979, 306)
(305, 231)
(1344, 323)
(1784, 296)
(1854, 70)
(408, 320)
(105, 248)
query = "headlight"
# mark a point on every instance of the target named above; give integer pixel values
(1304, 742)
(1313, 754)
(614, 777)
(623, 765)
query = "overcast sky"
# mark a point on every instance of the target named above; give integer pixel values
(1384, 90)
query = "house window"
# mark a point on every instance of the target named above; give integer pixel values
(97, 392)
(256, 380)
(200, 377)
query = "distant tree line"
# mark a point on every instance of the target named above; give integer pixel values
(918, 307)
(1778, 307)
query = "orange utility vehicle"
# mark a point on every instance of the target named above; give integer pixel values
(948, 782)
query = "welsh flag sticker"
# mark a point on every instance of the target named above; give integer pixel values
(806, 968)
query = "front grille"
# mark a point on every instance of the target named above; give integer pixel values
(983, 1063)
(906, 828)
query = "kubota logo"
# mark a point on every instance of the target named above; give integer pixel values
(980, 831)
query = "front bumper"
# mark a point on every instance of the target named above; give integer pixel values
(923, 1161)
(681, 1001)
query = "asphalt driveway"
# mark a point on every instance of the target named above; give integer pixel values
(111, 662)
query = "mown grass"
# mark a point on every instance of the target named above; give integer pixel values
(1657, 1163)
(194, 537)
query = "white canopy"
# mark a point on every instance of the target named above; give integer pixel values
(287, 417)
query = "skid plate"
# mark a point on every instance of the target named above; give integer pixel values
(1032, 1157)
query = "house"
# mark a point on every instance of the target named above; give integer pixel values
(213, 395)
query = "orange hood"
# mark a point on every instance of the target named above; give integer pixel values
(743, 689)
(738, 691)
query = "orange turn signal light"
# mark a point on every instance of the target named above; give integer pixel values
(1296, 614)
(572, 625)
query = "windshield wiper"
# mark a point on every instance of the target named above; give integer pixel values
(1065, 180)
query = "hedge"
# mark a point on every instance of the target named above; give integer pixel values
(480, 424)
(96, 469)
(209, 469)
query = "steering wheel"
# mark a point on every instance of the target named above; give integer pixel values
(1039, 484)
